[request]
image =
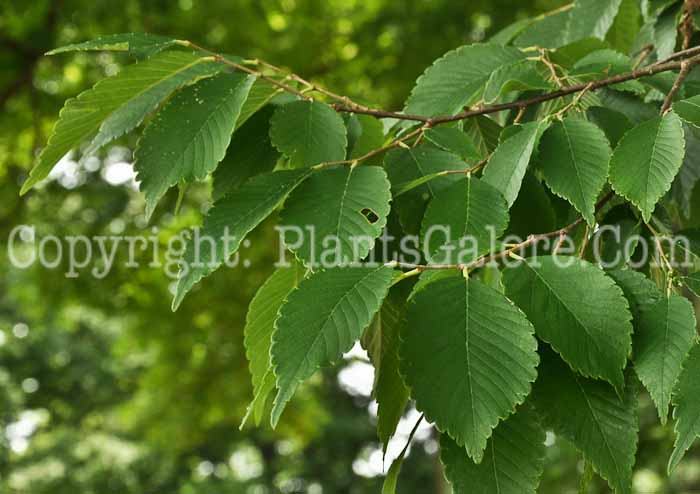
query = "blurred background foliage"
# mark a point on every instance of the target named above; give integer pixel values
(102, 388)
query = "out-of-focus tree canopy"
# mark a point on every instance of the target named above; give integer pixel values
(102, 388)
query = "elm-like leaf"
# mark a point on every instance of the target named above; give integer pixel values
(257, 334)
(463, 222)
(590, 414)
(334, 217)
(578, 310)
(457, 78)
(410, 166)
(664, 334)
(574, 156)
(136, 44)
(228, 222)
(381, 340)
(309, 133)
(508, 163)
(646, 161)
(513, 462)
(687, 408)
(469, 356)
(118, 104)
(321, 319)
(189, 136)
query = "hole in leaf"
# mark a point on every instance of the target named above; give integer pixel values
(370, 215)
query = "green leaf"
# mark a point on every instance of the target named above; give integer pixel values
(259, 326)
(532, 212)
(508, 33)
(593, 417)
(260, 94)
(574, 156)
(508, 163)
(453, 140)
(188, 137)
(604, 63)
(626, 26)
(392, 476)
(320, 321)
(687, 408)
(639, 290)
(308, 133)
(381, 340)
(619, 235)
(137, 44)
(407, 165)
(250, 153)
(689, 110)
(613, 123)
(578, 310)
(371, 137)
(236, 215)
(689, 174)
(587, 19)
(524, 75)
(335, 216)
(666, 33)
(121, 102)
(469, 209)
(469, 363)
(484, 132)
(513, 462)
(664, 334)
(456, 79)
(646, 160)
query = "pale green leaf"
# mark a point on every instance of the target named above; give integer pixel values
(524, 75)
(457, 78)
(508, 163)
(308, 133)
(468, 356)
(593, 417)
(250, 153)
(335, 216)
(257, 338)
(646, 160)
(236, 215)
(689, 110)
(574, 156)
(453, 140)
(664, 334)
(463, 222)
(687, 408)
(513, 462)
(578, 310)
(587, 19)
(321, 319)
(188, 137)
(137, 44)
(626, 26)
(408, 165)
(121, 101)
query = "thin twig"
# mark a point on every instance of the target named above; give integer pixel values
(343, 104)
(686, 66)
(483, 260)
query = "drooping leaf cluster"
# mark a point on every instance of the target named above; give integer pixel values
(557, 126)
